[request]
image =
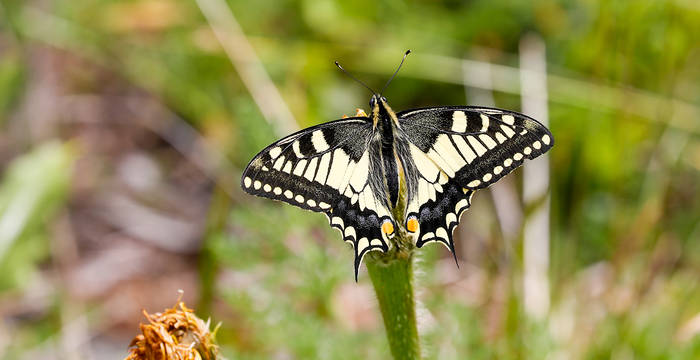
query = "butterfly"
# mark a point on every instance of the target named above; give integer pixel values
(351, 169)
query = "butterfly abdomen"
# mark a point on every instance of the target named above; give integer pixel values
(391, 172)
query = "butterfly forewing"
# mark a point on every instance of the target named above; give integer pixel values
(330, 168)
(453, 151)
(305, 169)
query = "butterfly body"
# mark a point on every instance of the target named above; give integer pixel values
(352, 169)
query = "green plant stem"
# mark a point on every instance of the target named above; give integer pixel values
(392, 277)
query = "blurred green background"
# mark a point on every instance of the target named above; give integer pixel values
(126, 124)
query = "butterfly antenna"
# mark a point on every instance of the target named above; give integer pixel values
(354, 78)
(395, 72)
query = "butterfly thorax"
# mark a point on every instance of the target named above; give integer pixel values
(386, 124)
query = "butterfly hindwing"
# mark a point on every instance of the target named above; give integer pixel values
(434, 199)
(450, 152)
(439, 216)
(329, 168)
(361, 227)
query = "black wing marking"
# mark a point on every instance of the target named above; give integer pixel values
(362, 228)
(440, 216)
(449, 152)
(329, 168)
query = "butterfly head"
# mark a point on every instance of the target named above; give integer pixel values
(375, 100)
(381, 113)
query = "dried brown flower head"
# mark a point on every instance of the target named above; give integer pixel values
(176, 334)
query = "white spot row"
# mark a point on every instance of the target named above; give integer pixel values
(247, 182)
(527, 151)
(498, 169)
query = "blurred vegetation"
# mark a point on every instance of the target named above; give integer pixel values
(125, 127)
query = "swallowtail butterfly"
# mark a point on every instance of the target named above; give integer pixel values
(350, 169)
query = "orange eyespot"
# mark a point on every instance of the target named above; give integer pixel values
(412, 225)
(388, 227)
